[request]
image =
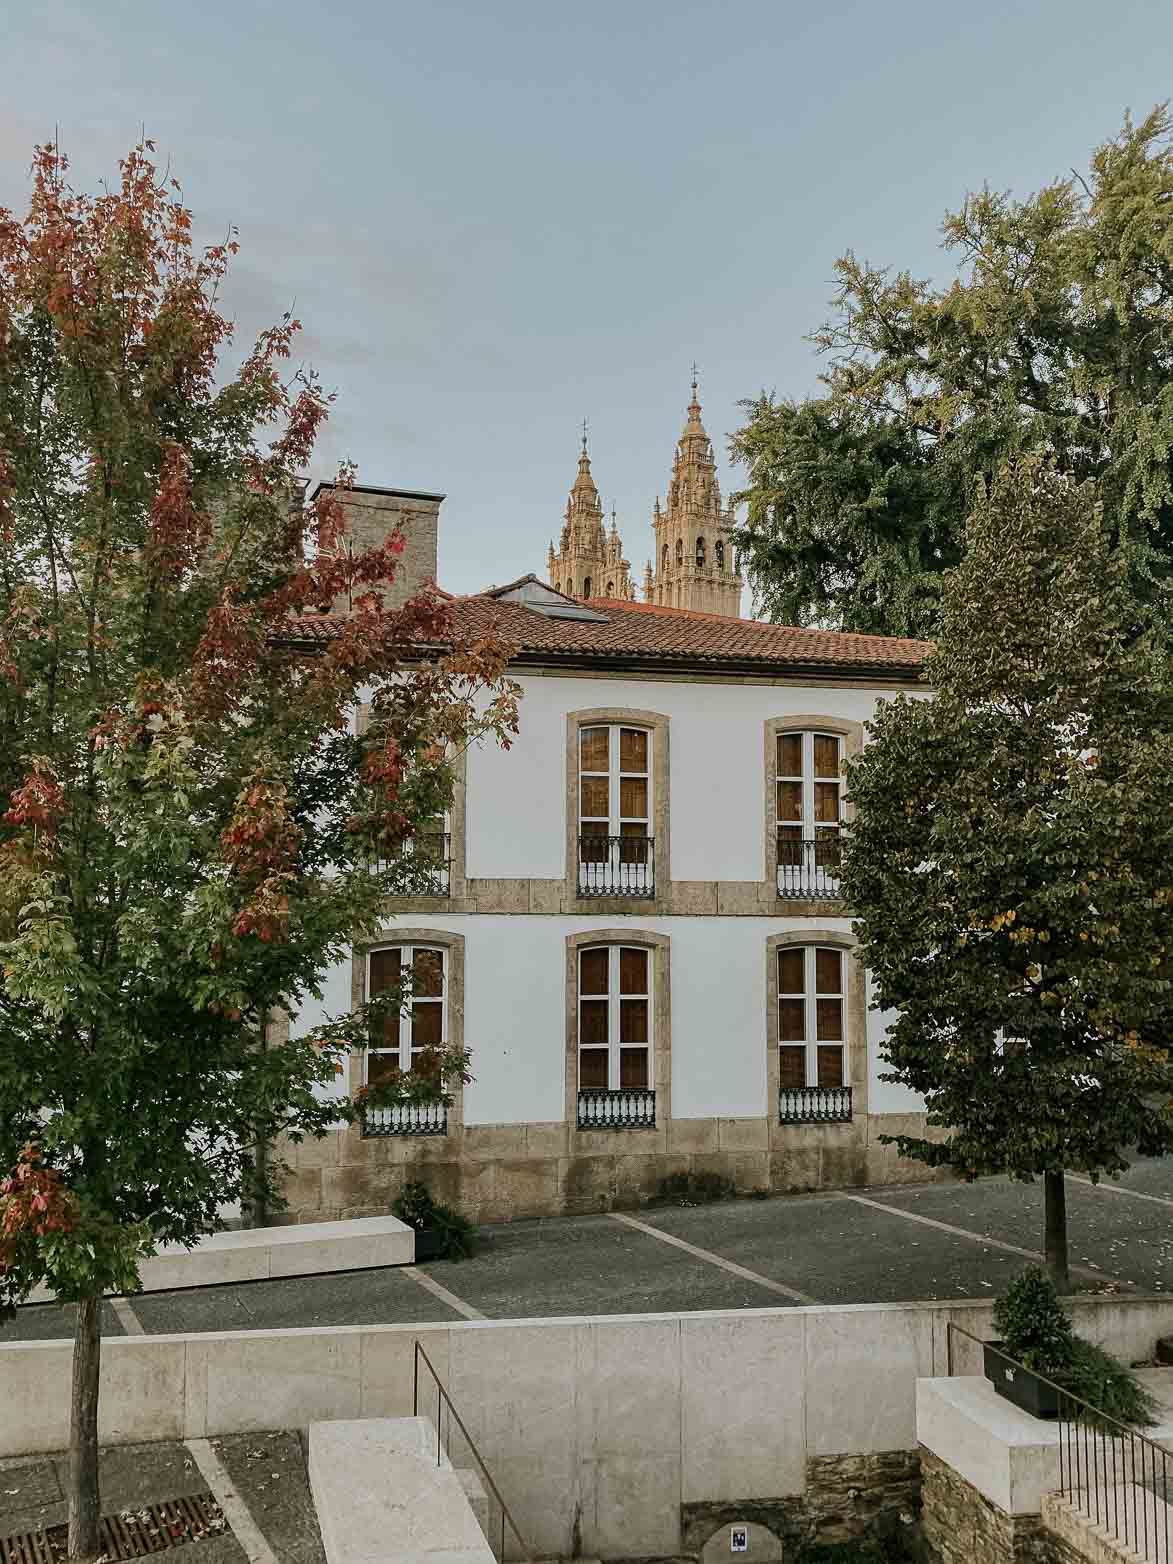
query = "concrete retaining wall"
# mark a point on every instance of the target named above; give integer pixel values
(597, 1430)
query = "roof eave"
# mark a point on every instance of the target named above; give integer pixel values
(660, 662)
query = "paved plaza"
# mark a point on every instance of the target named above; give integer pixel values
(896, 1244)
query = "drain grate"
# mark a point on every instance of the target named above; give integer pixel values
(128, 1534)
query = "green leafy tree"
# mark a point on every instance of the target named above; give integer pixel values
(1055, 336)
(193, 831)
(1010, 860)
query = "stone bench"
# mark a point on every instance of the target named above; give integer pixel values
(266, 1253)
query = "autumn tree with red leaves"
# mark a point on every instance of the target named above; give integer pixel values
(191, 820)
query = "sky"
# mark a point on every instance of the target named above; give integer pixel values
(496, 218)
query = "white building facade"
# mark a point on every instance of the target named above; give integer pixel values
(636, 930)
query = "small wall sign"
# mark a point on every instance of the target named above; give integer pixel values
(738, 1539)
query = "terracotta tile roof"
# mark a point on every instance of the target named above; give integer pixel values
(646, 634)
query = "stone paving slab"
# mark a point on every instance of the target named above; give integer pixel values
(53, 1322)
(825, 1245)
(349, 1298)
(841, 1252)
(33, 1492)
(1129, 1240)
(591, 1265)
(268, 1471)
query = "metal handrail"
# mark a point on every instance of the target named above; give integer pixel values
(443, 1396)
(809, 865)
(428, 857)
(1092, 1444)
(620, 1108)
(616, 865)
(814, 1105)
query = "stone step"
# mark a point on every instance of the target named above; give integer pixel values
(1124, 1538)
(478, 1497)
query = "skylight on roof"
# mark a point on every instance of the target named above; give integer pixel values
(534, 594)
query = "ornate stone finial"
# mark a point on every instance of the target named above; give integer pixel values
(584, 436)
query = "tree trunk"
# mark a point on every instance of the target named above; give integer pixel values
(1056, 1244)
(255, 1211)
(84, 1500)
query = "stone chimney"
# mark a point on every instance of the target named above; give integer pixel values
(373, 514)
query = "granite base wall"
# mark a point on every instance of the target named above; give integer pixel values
(961, 1525)
(493, 1173)
(848, 1498)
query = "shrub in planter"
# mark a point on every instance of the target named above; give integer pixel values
(1036, 1332)
(441, 1232)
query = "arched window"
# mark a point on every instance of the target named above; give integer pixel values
(610, 589)
(615, 820)
(614, 1024)
(556, 587)
(680, 551)
(812, 1028)
(700, 553)
(719, 554)
(420, 1025)
(664, 557)
(586, 587)
(809, 787)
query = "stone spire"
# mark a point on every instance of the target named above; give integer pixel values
(589, 562)
(694, 563)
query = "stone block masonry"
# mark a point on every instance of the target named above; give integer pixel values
(374, 514)
(962, 1526)
(847, 1498)
(498, 1172)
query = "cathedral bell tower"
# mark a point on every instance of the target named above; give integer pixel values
(694, 565)
(589, 561)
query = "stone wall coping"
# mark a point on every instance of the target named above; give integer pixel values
(1011, 1458)
(932, 1306)
(382, 1497)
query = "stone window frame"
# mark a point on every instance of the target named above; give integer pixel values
(457, 832)
(659, 947)
(453, 947)
(657, 724)
(855, 1010)
(852, 735)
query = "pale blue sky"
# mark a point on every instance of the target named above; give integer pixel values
(498, 218)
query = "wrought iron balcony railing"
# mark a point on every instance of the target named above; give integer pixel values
(422, 865)
(809, 868)
(616, 865)
(428, 1118)
(629, 1108)
(814, 1105)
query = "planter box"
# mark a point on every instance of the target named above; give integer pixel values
(428, 1243)
(1019, 1385)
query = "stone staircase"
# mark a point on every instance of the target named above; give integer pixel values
(1142, 1514)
